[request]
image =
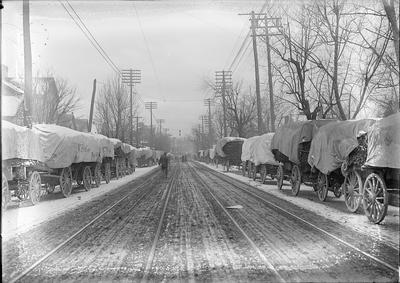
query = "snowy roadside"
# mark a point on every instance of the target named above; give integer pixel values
(21, 219)
(388, 231)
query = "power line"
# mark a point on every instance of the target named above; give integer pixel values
(92, 41)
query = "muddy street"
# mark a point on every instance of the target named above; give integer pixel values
(197, 224)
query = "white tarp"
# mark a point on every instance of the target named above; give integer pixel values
(262, 150)
(106, 146)
(212, 152)
(384, 143)
(63, 146)
(20, 142)
(222, 142)
(247, 149)
(144, 152)
(116, 142)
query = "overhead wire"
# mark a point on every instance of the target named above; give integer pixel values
(91, 39)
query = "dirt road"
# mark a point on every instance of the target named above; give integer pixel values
(195, 225)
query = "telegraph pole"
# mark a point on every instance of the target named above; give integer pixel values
(137, 130)
(27, 65)
(223, 79)
(207, 102)
(151, 105)
(92, 106)
(131, 77)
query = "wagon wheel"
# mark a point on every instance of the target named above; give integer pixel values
(375, 198)
(322, 186)
(35, 184)
(295, 180)
(263, 173)
(244, 168)
(5, 192)
(337, 191)
(66, 181)
(279, 177)
(97, 175)
(107, 172)
(352, 188)
(254, 173)
(87, 178)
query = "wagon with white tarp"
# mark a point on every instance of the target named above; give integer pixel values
(23, 162)
(144, 157)
(121, 154)
(333, 146)
(72, 156)
(263, 162)
(382, 167)
(290, 146)
(229, 151)
(247, 156)
(106, 155)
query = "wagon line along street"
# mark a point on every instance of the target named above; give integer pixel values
(197, 224)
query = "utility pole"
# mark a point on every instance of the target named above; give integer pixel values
(92, 106)
(207, 102)
(223, 80)
(160, 121)
(137, 131)
(131, 77)
(27, 65)
(151, 105)
(254, 25)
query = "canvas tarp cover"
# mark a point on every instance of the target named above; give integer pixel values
(222, 142)
(116, 142)
(63, 146)
(106, 145)
(384, 143)
(248, 149)
(212, 152)
(288, 137)
(144, 153)
(334, 142)
(20, 142)
(262, 150)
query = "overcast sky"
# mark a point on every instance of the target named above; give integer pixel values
(176, 44)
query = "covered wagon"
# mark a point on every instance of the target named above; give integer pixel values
(144, 157)
(23, 162)
(229, 151)
(333, 144)
(263, 159)
(106, 155)
(382, 167)
(290, 146)
(247, 156)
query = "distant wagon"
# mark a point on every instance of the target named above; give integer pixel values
(290, 146)
(120, 164)
(247, 156)
(106, 155)
(333, 144)
(229, 151)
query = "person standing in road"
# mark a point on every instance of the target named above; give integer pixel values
(164, 163)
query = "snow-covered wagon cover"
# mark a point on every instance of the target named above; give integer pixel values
(106, 146)
(248, 149)
(116, 142)
(288, 137)
(384, 143)
(219, 148)
(20, 142)
(334, 142)
(262, 150)
(63, 146)
(212, 152)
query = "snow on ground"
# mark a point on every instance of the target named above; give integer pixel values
(16, 220)
(334, 209)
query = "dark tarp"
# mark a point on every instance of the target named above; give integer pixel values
(288, 137)
(333, 143)
(384, 143)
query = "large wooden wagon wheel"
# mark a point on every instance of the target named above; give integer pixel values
(375, 198)
(279, 177)
(35, 184)
(295, 180)
(5, 192)
(97, 175)
(87, 178)
(263, 173)
(107, 172)
(352, 189)
(66, 181)
(322, 186)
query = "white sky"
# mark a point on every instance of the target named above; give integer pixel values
(188, 41)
